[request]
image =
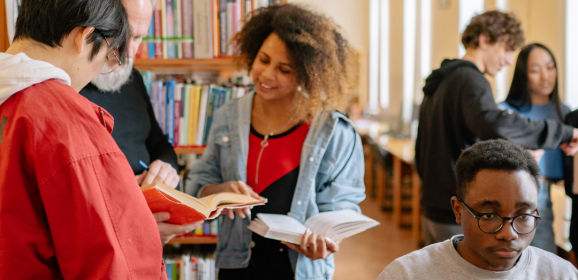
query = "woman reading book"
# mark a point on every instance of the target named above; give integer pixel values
(285, 142)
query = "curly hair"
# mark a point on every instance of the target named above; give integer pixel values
(325, 64)
(496, 25)
(500, 155)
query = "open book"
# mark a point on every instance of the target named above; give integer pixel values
(186, 209)
(335, 225)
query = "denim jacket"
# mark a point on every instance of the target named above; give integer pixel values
(327, 147)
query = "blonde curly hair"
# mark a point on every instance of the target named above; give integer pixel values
(326, 65)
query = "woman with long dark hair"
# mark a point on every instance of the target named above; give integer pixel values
(534, 94)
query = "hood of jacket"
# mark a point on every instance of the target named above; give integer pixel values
(19, 71)
(437, 76)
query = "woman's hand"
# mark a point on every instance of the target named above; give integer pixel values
(314, 246)
(234, 187)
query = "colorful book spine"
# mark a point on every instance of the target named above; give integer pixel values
(202, 115)
(178, 29)
(177, 114)
(209, 113)
(158, 19)
(146, 78)
(170, 112)
(150, 39)
(230, 26)
(187, 28)
(194, 114)
(215, 29)
(202, 26)
(223, 28)
(186, 115)
(163, 109)
(169, 21)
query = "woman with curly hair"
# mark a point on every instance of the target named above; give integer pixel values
(285, 142)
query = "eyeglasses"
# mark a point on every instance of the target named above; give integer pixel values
(110, 59)
(492, 223)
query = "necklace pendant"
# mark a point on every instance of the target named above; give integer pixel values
(265, 143)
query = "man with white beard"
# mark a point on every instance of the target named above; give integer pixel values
(123, 94)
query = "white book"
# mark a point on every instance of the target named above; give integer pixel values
(202, 115)
(334, 225)
(230, 27)
(202, 29)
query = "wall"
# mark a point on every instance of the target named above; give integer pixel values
(353, 18)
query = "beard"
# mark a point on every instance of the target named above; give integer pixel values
(115, 80)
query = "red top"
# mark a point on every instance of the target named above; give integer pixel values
(280, 157)
(70, 207)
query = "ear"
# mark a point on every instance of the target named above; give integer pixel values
(81, 36)
(483, 41)
(457, 208)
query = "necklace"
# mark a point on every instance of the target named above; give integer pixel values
(264, 142)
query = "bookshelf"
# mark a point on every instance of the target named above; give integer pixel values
(198, 150)
(194, 240)
(217, 64)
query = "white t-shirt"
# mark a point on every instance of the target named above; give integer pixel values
(442, 261)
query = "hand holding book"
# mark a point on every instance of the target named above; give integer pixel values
(233, 187)
(315, 246)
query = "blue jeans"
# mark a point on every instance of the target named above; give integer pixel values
(544, 237)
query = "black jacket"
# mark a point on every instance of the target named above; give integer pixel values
(571, 119)
(136, 130)
(459, 110)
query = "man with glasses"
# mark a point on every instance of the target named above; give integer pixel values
(70, 207)
(496, 206)
(120, 90)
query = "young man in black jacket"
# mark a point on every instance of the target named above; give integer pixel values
(459, 110)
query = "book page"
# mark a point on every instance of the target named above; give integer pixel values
(323, 223)
(282, 223)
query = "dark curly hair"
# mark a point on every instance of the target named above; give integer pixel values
(496, 25)
(496, 154)
(326, 65)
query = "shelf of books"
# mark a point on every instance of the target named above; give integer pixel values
(194, 240)
(198, 150)
(217, 64)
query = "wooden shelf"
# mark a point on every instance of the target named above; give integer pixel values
(199, 150)
(218, 64)
(194, 240)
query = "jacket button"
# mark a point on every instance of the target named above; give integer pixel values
(280, 249)
(299, 202)
(311, 159)
(225, 139)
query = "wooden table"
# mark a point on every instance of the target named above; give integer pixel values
(403, 151)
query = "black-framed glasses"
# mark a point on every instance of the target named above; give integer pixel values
(492, 223)
(109, 58)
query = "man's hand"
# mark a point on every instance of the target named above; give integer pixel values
(159, 171)
(169, 231)
(314, 247)
(234, 187)
(536, 154)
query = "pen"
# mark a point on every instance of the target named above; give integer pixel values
(143, 165)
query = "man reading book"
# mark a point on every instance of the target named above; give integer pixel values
(70, 207)
(496, 206)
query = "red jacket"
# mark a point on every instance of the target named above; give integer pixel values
(70, 207)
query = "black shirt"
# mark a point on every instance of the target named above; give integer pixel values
(136, 130)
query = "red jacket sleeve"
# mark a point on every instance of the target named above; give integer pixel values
(100, 223)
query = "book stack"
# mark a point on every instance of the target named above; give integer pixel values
(184, 111)
(196, 29)
(191, 265)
